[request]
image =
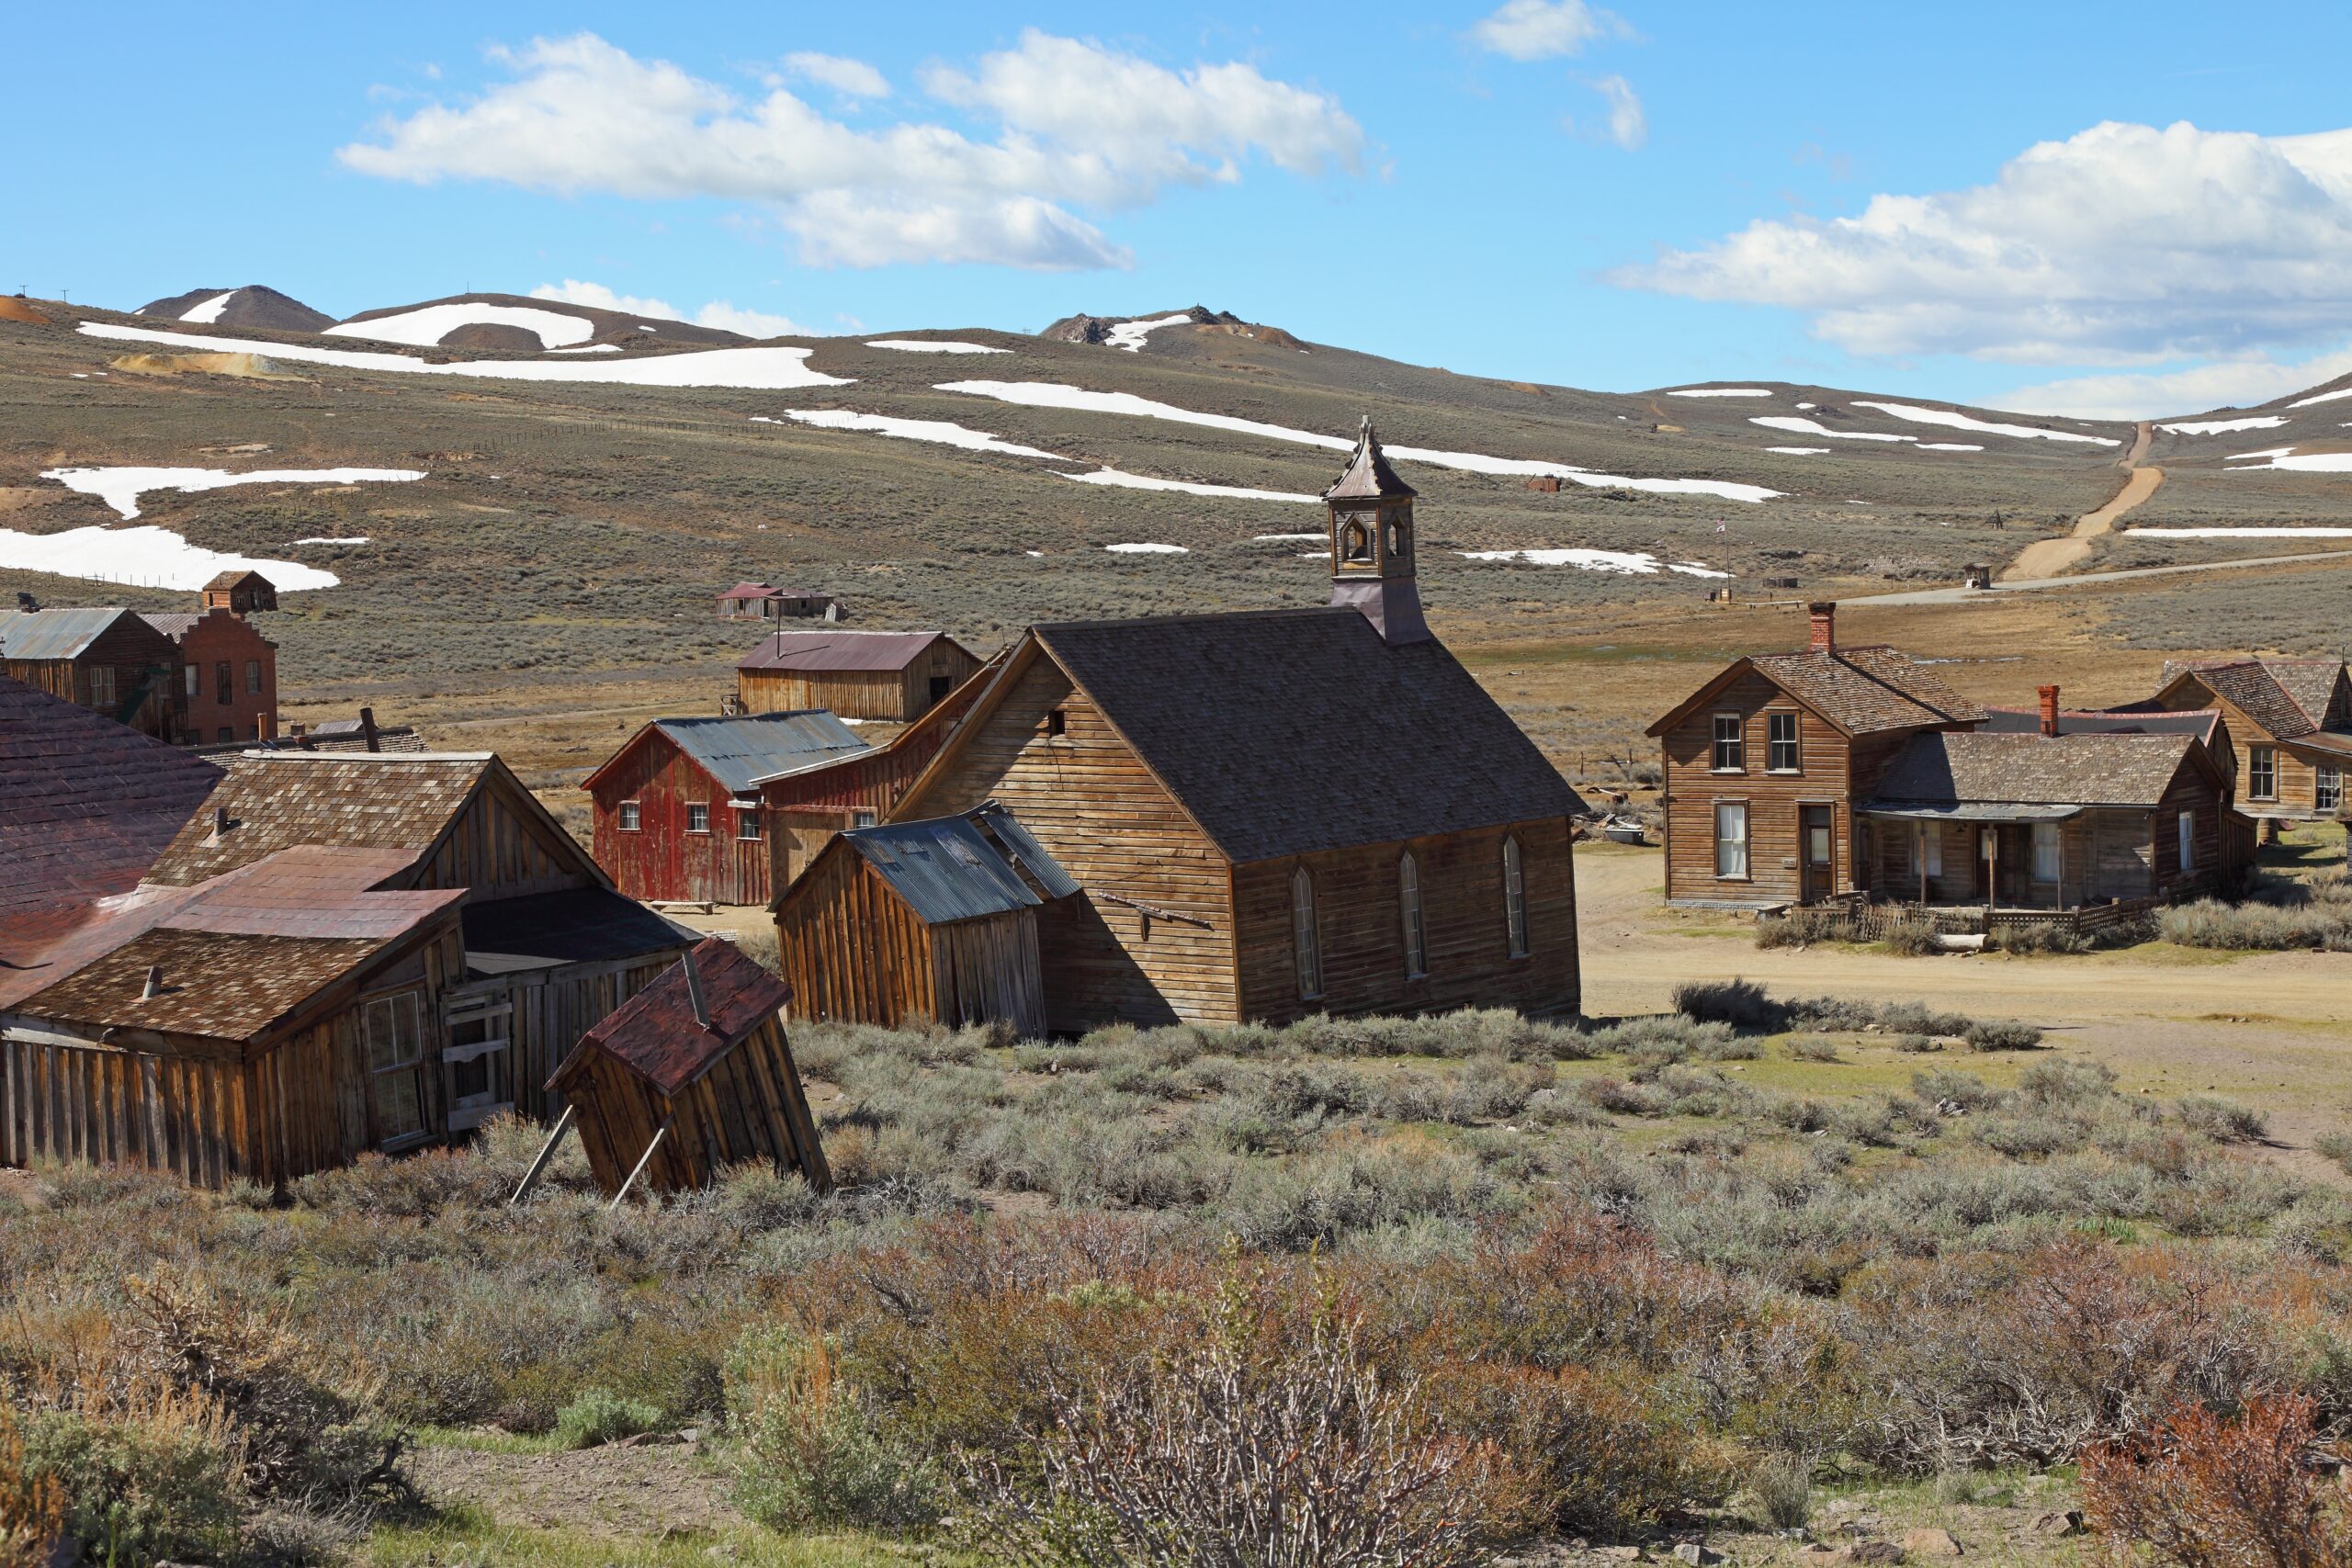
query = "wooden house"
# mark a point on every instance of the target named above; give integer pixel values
(805, 806)
(1763, 765)
(690, 1075)
(677, 811)
(224, 689)
(760, 601)
(2289, 722)
(110, 660)
(1277, 813)
(931, 921)
(239, 593)
(85, 804)
(896, 676)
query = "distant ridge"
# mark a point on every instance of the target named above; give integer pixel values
(251, 308)
(503, 322)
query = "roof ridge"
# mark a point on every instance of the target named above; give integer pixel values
(1188, 616)
(1867, 674)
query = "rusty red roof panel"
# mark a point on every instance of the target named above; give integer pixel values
(655, 1033)
(839, 650)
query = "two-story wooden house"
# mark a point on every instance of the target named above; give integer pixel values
(2290, 722)
(1763, 765)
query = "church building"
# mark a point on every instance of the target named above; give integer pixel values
(1276, 813)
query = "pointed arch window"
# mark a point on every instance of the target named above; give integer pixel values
(1305, 934)
(1355, 543)
(1409, 899)
(1514, 898)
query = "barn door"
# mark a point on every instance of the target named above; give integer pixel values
(477, 1063)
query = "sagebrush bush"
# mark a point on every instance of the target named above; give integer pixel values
(1739, 1004)
(2337, 1147)
(599, 1416)
(2000, 1034)
(2224, 1120)
(2258, 926)
(812, 1454)
(154, 1478)
(1781, 1484)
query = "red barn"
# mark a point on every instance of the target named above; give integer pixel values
(677, 808)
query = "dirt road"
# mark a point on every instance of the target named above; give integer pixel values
(2086, 579)
(2053, 557)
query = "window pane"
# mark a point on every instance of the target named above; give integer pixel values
(1408, 891)
(1731, 839)
(698, 818)
(1730, 751)
(1784, 758)
(2045, 851)
(399, 1110)
(1514, 899)
(2188, 840)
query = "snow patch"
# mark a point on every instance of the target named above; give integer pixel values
(1721, 392)
(2248, 533)
(1919, 415)
(1804, 405)
(589, 348)
(326, 539)
(765, 369)
(147, 556)
(1129, 335)
(1148, 549)
(930, 345)
(2322, 398)
(1054, 395)
(1629, 563)
(1283, 538)
(1798, 451)
(1239, 492)
(1947, 446)
(209, 311)
(1791, 423)
(121, 488)
(938, 431)
(429, 324)
(2265, 452)
(2224, 426)
(2309, 462)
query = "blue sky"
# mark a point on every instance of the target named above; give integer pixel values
(1540, 189)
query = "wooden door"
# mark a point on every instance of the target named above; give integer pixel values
(1816, 852)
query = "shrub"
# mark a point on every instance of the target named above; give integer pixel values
(2041, 937)
(1917, 1045)
(812, 1455)
(1781, 1485)
(1741, 1004)
(2337, 1147)
(2257, 927)
(2000, 1034)
(599, 1416)
(152, 1479)
(1813, 1048)
(1908, 939)
(32, 1507)
(2222, 1119)
(1803, 926)
(2206, 1492)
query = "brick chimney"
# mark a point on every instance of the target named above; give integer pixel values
(1825, 625)
(2049, 709)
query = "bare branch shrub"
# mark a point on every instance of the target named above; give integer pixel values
(2205, 1492)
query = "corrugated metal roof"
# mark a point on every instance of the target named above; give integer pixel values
(1027, 854)
(53, 633)
(748, 591)
(738, 753)
(173, 625)
(943, 868)
(828, 650)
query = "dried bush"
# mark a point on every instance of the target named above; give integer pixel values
(152, 1474)
(2258, 927)
(1781, 1485)
(2203, 1491)
(1805, 925)
(32, 1508)
(2221, 1118)
(2337, 1147)
(1741, 1004)
(1908, 939)
(812, 1455)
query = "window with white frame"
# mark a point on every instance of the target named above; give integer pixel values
(1781, 743)
(395, 1030)
(1932, 848)
(698, 818)
(631, 816)
(2047, 856)
(2327, 787)
(747, 822)
(1731, 749)
(1514, 899)
(2262, 772)
(1731, 838)
(1408, 900)
(2188, 841)
(1305, 934)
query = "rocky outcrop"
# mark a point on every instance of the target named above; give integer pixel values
(495, 336)
(1097, 329)
(252, 308)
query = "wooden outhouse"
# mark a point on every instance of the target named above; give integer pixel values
(923, 922)
(896, 676)
(690, 1075)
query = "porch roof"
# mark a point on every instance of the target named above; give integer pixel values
(1975, 811)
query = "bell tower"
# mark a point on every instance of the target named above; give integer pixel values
(1372, 543)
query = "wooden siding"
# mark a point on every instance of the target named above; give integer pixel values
(988, 971)
(145, 663)
(103, 1105)
(1826, 760)
(552, 1008)
(1099, 812)
(852, 950)
(749, 1106)
(2298, 766)
(498, 848)
(1360, 917)
(662, 860)
(901, 696)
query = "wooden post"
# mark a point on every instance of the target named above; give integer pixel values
(547, 1153)
(643, 1160)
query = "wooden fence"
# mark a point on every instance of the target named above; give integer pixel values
(1873, 920)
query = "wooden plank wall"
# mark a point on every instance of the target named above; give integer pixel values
(852, 950)
(662, 860)
(750, 1106)
(98, 1105)
(1359, 912)
(852, 693)
(500, 848)
(552, 1008)
(1099, 811)
(989, 972)
(1774, 852)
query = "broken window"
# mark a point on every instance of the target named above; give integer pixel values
(395, 1030)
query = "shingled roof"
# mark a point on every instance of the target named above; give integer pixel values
(1862, 690)
(2289, 697)
(839, 650)
(1287, 731)
(277, 800)
(655, 1034)
(85, 804)
(2092, 768)
(1368, 475)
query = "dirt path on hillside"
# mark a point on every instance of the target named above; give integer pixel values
(2271, 1030)
(2087, 579)
(2053, 557)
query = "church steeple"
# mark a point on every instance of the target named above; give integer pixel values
(1371, 543)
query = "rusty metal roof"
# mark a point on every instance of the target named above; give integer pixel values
(2092, 768)
(85, 804)
(839, 650)
(276, 800)
(655, 1034)
(1287, 731)
(943, 868)
(1368, 475)
(738, 753)
(748, 591)
(53, 633)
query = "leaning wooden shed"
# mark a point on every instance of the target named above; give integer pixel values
(688, 1077)
(924, 921)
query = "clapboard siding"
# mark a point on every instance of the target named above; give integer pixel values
(496, 849)
(1360, 919)
(1825, 761)
(900, 695)
(661, 859)
(1099, 812)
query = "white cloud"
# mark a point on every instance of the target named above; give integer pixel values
(1080, 127)
(718, 313)
(1628, 126)
(2122, 245)
(853, 77)
(1543, 29)
(2245, 382)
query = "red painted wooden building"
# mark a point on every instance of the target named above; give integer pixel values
(678, 815)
